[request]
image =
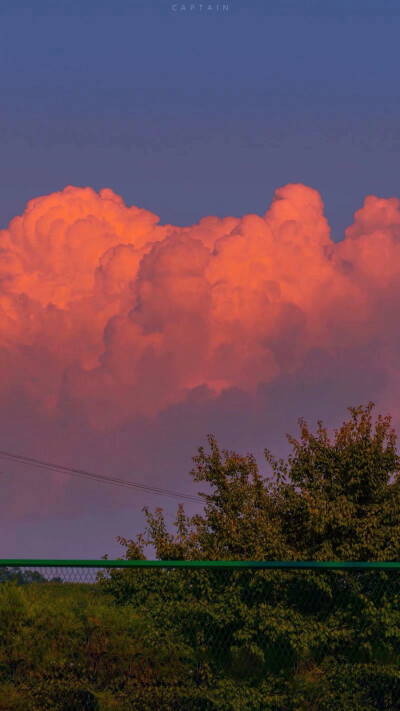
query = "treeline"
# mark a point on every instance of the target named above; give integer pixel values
(25, 577)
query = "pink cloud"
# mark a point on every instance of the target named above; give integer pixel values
(109, 319)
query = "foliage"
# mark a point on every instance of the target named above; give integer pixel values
(65, 647)
(22, 577)
(273, 639)
(231, 640)
(331, 500)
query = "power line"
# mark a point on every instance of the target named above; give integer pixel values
(12, 457)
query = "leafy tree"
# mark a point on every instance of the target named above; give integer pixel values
(331, 500)
(272, 639)
(340, 500)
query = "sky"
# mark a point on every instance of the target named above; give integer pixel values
(199, 233)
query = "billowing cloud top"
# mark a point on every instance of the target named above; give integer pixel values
(106, 313)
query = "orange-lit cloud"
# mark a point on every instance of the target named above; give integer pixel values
(107, 314)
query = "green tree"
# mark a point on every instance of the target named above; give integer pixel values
(277, 639)
(340, 500)
(331, 500)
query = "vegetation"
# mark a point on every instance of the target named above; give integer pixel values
(65, 646)
(216, 639)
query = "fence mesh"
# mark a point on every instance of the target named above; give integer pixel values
(103, 635)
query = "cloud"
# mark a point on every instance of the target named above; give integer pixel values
(105, 311)
(109, 318)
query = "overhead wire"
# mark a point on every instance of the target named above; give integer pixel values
(82, 473)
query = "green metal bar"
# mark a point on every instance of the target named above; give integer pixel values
(222, 564)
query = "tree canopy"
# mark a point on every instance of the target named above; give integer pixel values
(277, 639)
(333, 499)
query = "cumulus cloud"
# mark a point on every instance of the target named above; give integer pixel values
(124, 341)
(106, 314)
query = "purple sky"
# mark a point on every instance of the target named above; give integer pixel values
(187, 115)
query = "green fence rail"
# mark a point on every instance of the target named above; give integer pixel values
(218, 635)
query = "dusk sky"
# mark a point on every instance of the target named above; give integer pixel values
(199, 232)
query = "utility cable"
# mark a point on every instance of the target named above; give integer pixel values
(31, 461)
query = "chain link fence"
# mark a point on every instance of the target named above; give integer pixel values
(127, 635)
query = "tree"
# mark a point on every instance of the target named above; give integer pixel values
(331, 500)
(340, 500)
(272, 639)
